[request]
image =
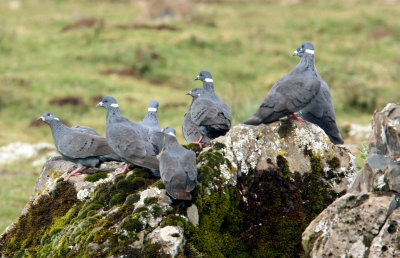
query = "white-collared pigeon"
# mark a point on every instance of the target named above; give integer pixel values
(290, 93)
(128, 139)
(84, 149)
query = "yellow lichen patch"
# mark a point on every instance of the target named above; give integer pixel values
(281, 153)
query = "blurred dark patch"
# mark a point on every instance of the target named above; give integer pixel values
(130, 99)
(174, 105)
(148, 27)
(83, 23)
(129, 72)
(96, 99)
(39, 123)
(70, 100)
(382, 33)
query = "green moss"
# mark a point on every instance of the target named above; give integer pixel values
(193, 147)
(157, 211)
(131, 223)
(130, 186)
(334, 163)
(150, 200)
(154, 250)
(140, 209)
(117, 199)
(96, 177)
(140, 172)
(132, 198)
(88, 207)
(283, 166)
(159, 184)
(218, 146)
(286, 127)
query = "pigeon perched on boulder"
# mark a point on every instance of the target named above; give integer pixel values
(178, 169)
(320, 111)
(150, 122)
(84, 149)
(290, 93)
(127, 138)
(208, 112)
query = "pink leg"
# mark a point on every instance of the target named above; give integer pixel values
(294, 117)
(199, 142)
(124, 168)
(79, 170)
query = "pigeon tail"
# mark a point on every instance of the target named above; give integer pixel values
(336, 139)
(181, 194)
(254, 120)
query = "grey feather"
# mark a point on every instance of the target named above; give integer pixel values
(77, 146)
(150, 122)
(177, 167)
(320, 111)
(128, 139)
(291, 93)
(86, 129)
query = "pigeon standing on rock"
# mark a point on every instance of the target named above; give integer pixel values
(178, 169)
(208, 112)
(320, 111)
(150, 122)
(126, 138)
(291, 93)
(86, 150)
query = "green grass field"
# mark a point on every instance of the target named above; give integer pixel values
(247, 47)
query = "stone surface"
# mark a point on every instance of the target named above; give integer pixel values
(22, 152)
(365, 222)
(257, 190)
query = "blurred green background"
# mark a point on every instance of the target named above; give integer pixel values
(63, 56)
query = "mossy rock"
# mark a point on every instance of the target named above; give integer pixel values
(96, 177)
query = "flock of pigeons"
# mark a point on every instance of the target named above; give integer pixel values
(147, 145)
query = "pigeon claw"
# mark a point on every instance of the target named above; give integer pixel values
(123, 169)
(77, 171)
(294, 117)
(199, 142)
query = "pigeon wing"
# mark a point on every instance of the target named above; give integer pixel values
(82, 145)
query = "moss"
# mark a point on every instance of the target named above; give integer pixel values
(154, 250)
(286, 127)
(117, 199)
(132, 198)
(159, 184)
(334, 163)
(131, 223)
(140, 209)
(173, 220)
(193, 147)
(96, 177)
(218, 146)
(88, 207)
(150, 200)
(157, 211)
(131, 186)
(283, 166)
(140, 172)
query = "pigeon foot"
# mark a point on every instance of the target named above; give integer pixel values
(199, 142)
(124, 168)
(294, 117)
(77, 171)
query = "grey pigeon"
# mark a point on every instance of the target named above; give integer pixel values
(127, 138)
(177, 167)
(86, 129)
(290, 93)
(189, 128)
(208, 112)
(150, 122)
(320, 111)
(86, 150)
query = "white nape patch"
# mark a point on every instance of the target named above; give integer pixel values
(208, 80)
(309, 51)
(152, 109)
(172, 134)
(56, 118)
(114, 105)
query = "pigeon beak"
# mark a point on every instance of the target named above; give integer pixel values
(100, 104)
(41, 118)
(295, 53)
(197, 78)
(189, 93)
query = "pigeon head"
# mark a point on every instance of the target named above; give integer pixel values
(108, 102)
(195, 93)
(153, 106)
(306, 47)
(48, 118)
(204, 76)
(169, 130)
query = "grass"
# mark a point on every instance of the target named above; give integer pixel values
(246, 46)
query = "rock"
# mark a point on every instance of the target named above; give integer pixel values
(193, 215)
(258, 188)
(364, 222)
(18, 152)
(169, 237)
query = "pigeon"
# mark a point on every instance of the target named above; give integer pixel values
(189, 128)
(84, 149)
(128, 139)
(320, 111)
(208, 112)
(290, 93)
(150, 122)
(178, 169)
(86, 129)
